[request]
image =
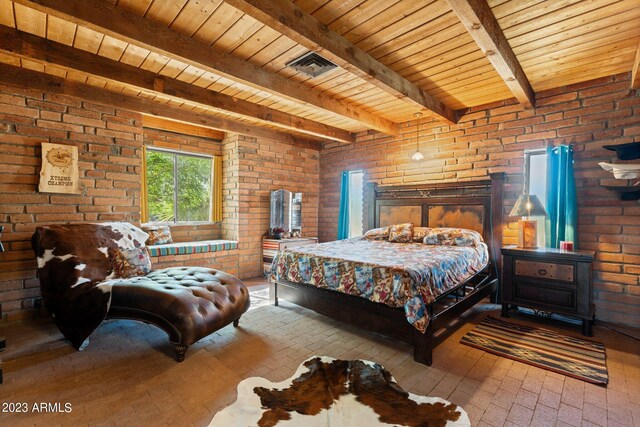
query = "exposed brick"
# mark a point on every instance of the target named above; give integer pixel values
(542, 101)
(587, 115)
(84, 121)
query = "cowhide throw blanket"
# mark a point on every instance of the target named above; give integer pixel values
(332, 392)
(73, 265)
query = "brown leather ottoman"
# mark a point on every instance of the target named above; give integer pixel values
(188, 303)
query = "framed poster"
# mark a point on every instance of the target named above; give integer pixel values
(59, 173)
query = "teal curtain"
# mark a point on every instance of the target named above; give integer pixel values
(343, 216)
(562, 202)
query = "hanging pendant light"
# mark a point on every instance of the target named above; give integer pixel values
(417, 156)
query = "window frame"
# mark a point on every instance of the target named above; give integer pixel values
(527, 165)
(361, 172)
(527, 180)
(176, 153)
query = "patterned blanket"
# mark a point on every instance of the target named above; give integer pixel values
(409, 275)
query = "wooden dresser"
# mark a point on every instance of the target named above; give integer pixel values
(271, 246)
(549, 280)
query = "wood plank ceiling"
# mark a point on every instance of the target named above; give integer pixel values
(223, 63)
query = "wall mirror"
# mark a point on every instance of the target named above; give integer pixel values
(286, 211)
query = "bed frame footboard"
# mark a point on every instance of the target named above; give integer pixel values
(385, 320)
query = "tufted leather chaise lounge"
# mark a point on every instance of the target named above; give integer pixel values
(188, 303)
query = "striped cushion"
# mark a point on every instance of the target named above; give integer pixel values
(192, 247)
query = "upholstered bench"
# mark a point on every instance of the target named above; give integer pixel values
(79, 288)
(188, 303)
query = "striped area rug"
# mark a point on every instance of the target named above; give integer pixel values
(574, 357)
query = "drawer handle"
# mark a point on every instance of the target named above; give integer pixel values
(542, 272)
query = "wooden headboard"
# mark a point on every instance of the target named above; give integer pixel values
(476, 205)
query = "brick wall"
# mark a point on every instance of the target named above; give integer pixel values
(109, 142)
(492, 138)
(254, 168)
(110, 147)
(190, 144)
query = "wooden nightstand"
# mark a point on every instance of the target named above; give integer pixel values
(550, 280)
(271, 246)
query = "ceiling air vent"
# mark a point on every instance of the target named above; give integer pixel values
(312, 64)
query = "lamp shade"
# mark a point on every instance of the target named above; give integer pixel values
(528, 205)
(417, 156)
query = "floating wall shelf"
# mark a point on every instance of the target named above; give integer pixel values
(628, 151)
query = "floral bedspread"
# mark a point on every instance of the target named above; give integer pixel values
(409, 275)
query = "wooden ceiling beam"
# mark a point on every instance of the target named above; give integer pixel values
(477, 17)
(51, 84)
(301, 27)
(104, 17)
(155, 122)
(27, 45)
(635, 71)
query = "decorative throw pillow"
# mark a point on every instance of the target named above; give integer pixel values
(130, 262)
(401, 233)
(158, 235)
(453, 237)
(419, 233)
(377, 234)
(132, 236)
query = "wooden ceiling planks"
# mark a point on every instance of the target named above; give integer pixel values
(32, 47)
(138, 7)
(7, 17)
(385, 18)
(556, 37)
(131, 28)
(29, 20)
(60, 31)
(278, 65)
(216, 25)
(86, 39)
(406, 24)
(361, 14)
(330, 11)
(542, 22)
(302, 27)
(164, 11)
(556, 42)
(193, 16)
(592, 34)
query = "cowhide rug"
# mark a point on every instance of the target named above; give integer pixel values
(332, 392)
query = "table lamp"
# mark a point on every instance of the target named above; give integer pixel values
(526, 206)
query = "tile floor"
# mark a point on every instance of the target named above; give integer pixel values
(127, 376)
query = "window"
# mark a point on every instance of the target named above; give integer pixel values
(535, 173)
(355, 203)
(179, 186)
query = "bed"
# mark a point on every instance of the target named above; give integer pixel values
(473, 205)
